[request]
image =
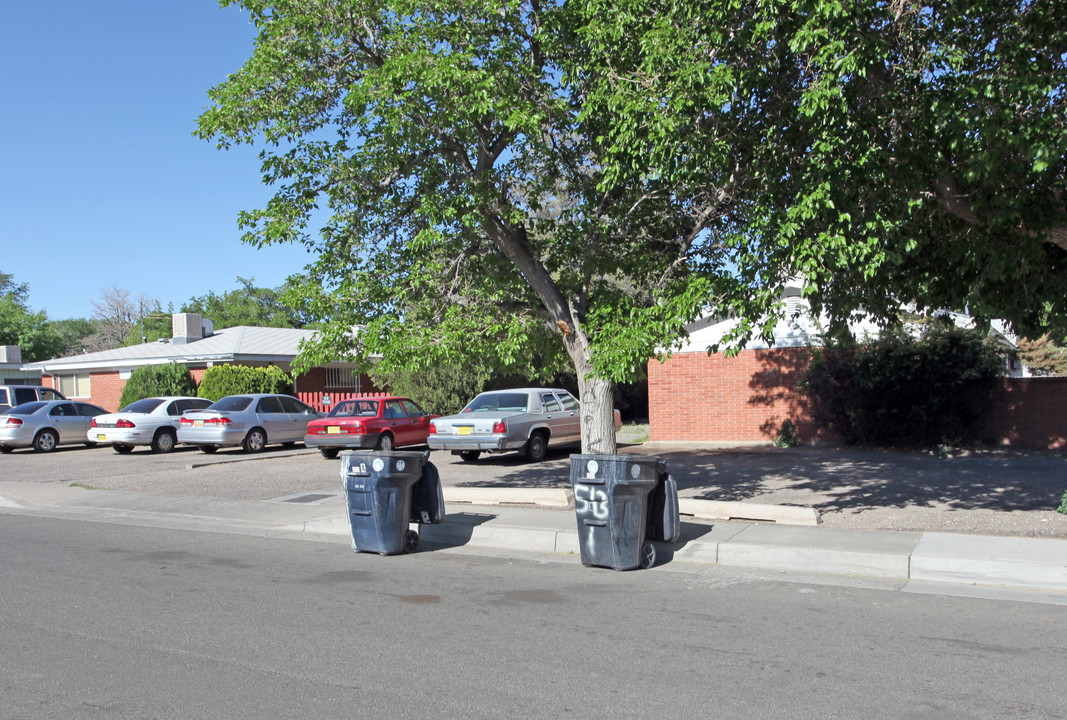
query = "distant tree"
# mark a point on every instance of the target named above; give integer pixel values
(248, 305)
(1043, 356)
(156, 380)
(116, 313)
(38, 338)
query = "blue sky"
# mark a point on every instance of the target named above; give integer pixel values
(101, 181)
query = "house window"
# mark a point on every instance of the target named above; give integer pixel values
(75, 386)
(342, 379)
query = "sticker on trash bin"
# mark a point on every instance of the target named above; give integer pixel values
(378, 464)
(591, 467)
(400, 465)
(635, 471)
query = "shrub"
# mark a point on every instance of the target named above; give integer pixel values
(1063, 504)
(222, 380)
(156, 380)
(787, 435)
(902, 390)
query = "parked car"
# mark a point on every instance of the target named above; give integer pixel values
(381, 423)
(529, 420)
(151, 421)
(44, 425)
(251, 421)
(12, 395)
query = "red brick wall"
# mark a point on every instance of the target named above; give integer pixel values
(696, 396)
(1031, 413)
(711, 398)
(106, 388)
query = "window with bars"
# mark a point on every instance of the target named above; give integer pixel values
(342, 379)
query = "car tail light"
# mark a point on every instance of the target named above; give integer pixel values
(13, 421)
(433, 429)
(124, 423)
(185, 421)
(500, 428)
(218, 421)
(92, 423)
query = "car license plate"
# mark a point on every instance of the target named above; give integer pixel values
(464, 430)
(102, 438)
(333, 430)
(198, 423)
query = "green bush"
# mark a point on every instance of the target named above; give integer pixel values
(222, 380)
(902, 390)
(787, 435)
(1063, 504)
(156, 380)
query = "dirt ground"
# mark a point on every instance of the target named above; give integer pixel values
(990, 492)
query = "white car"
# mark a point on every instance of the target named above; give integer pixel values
(151, 421)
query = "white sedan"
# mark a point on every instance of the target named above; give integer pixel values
(151, 421)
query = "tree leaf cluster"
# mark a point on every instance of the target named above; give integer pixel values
(156, 381)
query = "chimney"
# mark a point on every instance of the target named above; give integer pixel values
(186, 327)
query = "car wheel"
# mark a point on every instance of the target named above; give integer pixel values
(536, 447)
(120, 448)
(45, 441)
(329, 453)
(164, 441)
(6, 449)
(207, 448)
(470, 455)
(385, 443)
(254, 441)
(411, 541)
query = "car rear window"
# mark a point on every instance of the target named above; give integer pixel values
(143, 406)
(512, 402)
(25, 395)
(234, 403)
(355, 408)
(26, 408)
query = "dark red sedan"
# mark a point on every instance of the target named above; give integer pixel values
(381, 423)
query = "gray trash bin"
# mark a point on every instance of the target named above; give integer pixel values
(385, 492)
(622, 502)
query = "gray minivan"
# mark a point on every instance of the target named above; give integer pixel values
(12, 395)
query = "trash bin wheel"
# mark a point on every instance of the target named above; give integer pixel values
(411, 541)
(648, 555)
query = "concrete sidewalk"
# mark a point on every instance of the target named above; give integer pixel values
(980, 566)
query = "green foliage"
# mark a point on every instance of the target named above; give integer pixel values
(787, 435)
(902, 390)
(1063, 504)
(157, 380)
(222, 380)
(249, 305)
(38, 337)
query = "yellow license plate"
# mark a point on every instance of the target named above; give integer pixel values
(333, 430)
(102, 438)
(463, 430)
(198, 423)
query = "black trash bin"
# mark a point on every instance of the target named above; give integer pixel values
(385, 492)
(622, 503)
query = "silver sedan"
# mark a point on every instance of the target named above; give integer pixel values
(250, 421)
(151, 421)
(45, 425)
(529, 420)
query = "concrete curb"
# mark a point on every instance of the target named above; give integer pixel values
(721, 510)
(558, 498)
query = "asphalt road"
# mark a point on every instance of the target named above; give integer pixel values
(109, 621)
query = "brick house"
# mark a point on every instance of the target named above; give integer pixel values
(700, 397)
(100, 377)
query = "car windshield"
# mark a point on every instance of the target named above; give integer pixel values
(511, 402)
(143, 406)
(27, 408)
(355, 408)
(234, 403)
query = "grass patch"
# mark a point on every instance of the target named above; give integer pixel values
(83, 486)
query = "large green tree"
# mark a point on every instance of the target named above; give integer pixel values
(38, 337)
(505, 177)
(249, 305)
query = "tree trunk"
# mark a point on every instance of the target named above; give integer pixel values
(598, 413)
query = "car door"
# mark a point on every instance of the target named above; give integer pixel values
(572, 416)
(299, 415)
(86, 413)
(418, 425)
(274, 419)
(64, 418)
(396, 421)
(553, 416)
